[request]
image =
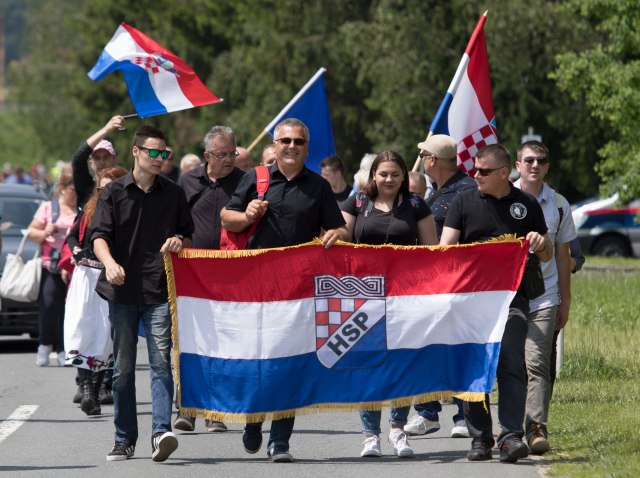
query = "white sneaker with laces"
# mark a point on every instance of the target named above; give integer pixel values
(61, 358)
(42, 358)
(399, 440)
(371, 446)
(419, 425)
(460, 430)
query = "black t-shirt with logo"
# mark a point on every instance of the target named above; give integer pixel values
(479, 216)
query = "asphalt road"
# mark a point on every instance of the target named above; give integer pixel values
(54, 438)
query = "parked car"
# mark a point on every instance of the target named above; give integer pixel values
(607, 229)
(18, 204)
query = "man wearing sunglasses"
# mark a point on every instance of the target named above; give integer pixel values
(208, 188)
(550, 311)
(439, 154)
(139, 217)
(495, 208)
(297, 206)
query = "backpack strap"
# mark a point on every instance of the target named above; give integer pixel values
(262, 181)
(364, 206)
(559, 201)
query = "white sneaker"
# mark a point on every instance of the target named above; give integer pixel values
(399, 440)
(419, 425)
(371, 446)
(61, 358)
(42, 359)
(460, 430)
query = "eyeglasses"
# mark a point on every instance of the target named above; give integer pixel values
(154, 153)
(296, 141)
(232, 155)
(540, 159)
(487, 171)
(425, 155)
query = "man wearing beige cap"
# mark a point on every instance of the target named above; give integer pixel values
(439, 154)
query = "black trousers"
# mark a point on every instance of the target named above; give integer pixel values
(53, 292)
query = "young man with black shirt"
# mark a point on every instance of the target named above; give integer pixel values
(476, 215)
(139, 217)
(296, 207)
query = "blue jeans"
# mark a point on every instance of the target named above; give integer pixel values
(156, 321)
(430, 410)
(371, 420)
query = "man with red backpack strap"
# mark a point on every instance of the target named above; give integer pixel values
(297, 205)
(208, 188)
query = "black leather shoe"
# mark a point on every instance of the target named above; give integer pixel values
(512, 449)
(252, 439)
(480, 450)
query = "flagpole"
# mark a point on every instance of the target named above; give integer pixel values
(458, 75)
(284, 110)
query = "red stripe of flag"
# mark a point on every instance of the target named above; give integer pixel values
(288, 274)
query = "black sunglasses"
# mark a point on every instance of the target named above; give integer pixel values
(296, 141)
(540, 159)
(425, 155)
(153, 153)
(486, 171)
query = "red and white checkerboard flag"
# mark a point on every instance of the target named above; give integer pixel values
(466, 112)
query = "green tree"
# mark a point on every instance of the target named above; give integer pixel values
(606, 77)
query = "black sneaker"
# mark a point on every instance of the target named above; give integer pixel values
(252, 439)
(121, 451)
(163, 445)
(279, 454)
(480, 450)
(185, 424)
(512, 449)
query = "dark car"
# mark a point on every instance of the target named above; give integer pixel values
(18, 204)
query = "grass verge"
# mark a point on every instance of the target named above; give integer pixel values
(594, 419)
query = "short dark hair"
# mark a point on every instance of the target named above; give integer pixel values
(334, 162)
(536, 146)
(147, 131)
(371, 189)
(496, 151)
(294, 123)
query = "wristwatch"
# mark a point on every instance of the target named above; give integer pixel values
(179, 236)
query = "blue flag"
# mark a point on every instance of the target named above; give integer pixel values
(311, 107)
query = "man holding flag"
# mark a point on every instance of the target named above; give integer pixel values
(297, 206)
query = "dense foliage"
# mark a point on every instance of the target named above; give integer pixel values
(389, 63)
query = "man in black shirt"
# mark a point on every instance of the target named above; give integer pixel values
(493, 209)
(296, 207)
(208, 188)
(139, 217)
(333, 171)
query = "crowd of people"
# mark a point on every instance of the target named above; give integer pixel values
(120, 223)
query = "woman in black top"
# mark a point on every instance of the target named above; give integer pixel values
(387, 213)
(87, 330)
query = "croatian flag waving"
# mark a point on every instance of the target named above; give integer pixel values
(338, 328)
(466, 112)
(158, 81)
(310, 106)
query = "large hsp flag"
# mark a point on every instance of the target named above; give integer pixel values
(270, 333)
(310, 106)
(466, 112)
(158, 81)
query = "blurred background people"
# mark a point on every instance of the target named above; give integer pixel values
(188, 162)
